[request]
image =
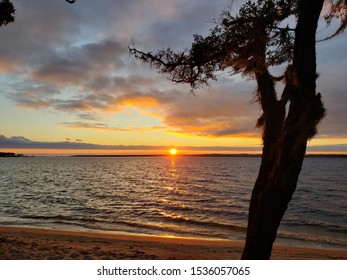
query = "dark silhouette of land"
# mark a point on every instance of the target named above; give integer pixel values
(2, 154)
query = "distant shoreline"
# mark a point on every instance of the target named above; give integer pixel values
(5, 154)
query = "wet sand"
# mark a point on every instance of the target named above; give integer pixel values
(22, 243)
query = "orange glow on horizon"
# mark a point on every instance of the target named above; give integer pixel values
(173, 151)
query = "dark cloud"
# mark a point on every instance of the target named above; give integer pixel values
(88, 116)
(177, 31)
(333, 87)
(328, 148)
(23, 143)
(81, 64)
(39, 26)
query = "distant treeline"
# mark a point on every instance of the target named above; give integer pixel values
(2, 154)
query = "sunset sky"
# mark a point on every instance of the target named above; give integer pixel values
(68, 84)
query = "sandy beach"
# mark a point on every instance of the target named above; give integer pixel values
(19, 243)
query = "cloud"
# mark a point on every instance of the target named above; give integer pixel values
(217, 113)
(20, 142)
(23, 143)
(39, 26)
(88, 116)
(222, 112)
(80, 64)
(102, 126)
(74, 59)
(331, 83)
(85, 79)
(189, 19)
(328, 148)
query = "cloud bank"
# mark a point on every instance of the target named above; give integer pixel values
(20, 142)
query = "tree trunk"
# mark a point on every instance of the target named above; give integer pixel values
(285, 139)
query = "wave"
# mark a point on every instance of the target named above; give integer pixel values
(315, 240)
(207, 223)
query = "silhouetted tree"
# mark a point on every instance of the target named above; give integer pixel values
(249, 43)
(6, 12)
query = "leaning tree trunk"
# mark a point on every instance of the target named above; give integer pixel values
(285, 139)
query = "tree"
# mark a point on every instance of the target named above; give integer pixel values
(6, 12)
(249, 43)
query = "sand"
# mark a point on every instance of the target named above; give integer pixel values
(19, 243)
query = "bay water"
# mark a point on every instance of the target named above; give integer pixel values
(185, 196)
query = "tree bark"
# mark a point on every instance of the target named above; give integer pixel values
(285, 139)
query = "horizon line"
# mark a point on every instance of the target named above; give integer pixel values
(245, 154)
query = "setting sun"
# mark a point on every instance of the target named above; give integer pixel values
(173, 151)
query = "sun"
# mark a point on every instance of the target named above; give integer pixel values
(173, 151)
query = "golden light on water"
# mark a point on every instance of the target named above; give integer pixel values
(173, 151)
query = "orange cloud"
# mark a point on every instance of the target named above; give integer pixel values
(7, 66)
(138, 101)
